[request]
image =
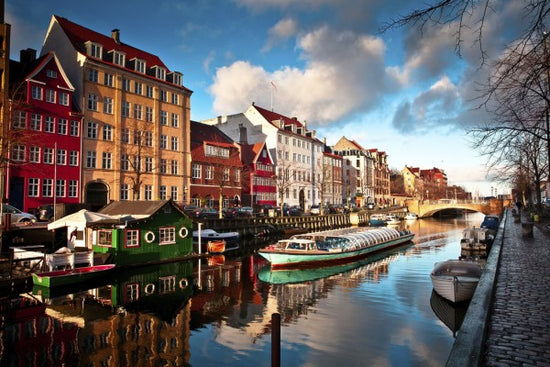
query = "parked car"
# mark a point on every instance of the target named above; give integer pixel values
(206, 213)
(192, 211)
(314, 210)
(246, 211)
(265, 209)
(295, 211)
(45, 212)
(17, 216)
(231, 212)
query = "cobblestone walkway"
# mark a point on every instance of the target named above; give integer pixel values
(519, 322)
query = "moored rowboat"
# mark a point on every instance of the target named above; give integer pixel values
(335, 246)
(70, 276)
(456, 280)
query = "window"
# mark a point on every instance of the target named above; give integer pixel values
(91, 132)
(175, 143)
(125, 135)
(51, 73)
(95, 50)
(108, 79)
(163, 95)
(140, 66)
(104, 237)
(107, 132)
(209, 172)
(174, 192)
(148, 139)
(34, 154)
(149, 114)
(73, 158)
(119, 58)
(47, 187)
(108, 105)
(20, 120)
(92, 102)
(177, 78)
(226, 174)
(149, 91)
(124, 162)
(123, 191)
(75, 128)
(131, 237)
(163, 141)
(138, 112)
(237, 175)
(36, 121)
(175, 98)
(174, 166)
(196, 170)
(175, 120)
(49, 124)
(90, 159)
(48, 155)
(164, 118)
(162, 193)
(125, 109)
(62, 126)
(137, 163)
(36, 92)
(148, 192)
(93, 75)
(138, 88)
(167, 235)
(137, 137)
(18, 153)
(160, 73)
(61, 157)
(148, 164)
(73, 189)
(60, 188)
(106, 161)
(63, 99)
(32, 189)
(163, 166)
(125, 85)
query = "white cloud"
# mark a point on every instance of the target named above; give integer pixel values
(284, 29)
(344, 73)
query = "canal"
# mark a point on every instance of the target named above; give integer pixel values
(379, 311)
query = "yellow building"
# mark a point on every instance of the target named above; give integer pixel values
(135, 132)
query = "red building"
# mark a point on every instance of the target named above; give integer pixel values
(216, 167)
(259, 181)
(45, 128)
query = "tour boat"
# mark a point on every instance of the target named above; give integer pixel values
(456, 280)
(230, 238)
(333, 246)
(71, 276)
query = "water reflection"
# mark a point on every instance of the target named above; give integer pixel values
(218, 312)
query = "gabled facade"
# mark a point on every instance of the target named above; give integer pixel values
(217, 167)
(259, 181)
(332, 171)
(363, 161)
(435, 183)
(349, 182)
(44, 164)
(381, 177)
(296, 151)
(136, 116)
(412, 182)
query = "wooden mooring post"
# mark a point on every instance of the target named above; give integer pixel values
(275, 340)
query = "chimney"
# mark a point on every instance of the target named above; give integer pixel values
(27, 56)
(243, 135)
(115, 35)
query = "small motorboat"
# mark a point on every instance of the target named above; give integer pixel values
(71, 276)
(476, 239)
(456, 280)
(392, 219)
(230, 238)
(377, 220)
(215, 247)
(411, 216)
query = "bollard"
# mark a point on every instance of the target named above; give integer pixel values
(527, 229)
(275, 340)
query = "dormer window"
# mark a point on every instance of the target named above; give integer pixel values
(140, 66)
(177, 78)
(160, 72)
(119, 58)
(94, 50)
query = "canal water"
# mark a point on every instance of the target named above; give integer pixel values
(217, 312)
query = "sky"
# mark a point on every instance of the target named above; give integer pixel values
(404, 91)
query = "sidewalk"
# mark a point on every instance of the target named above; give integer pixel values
(518, 330)
(508, 319)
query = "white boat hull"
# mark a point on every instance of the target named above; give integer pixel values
(456, 280)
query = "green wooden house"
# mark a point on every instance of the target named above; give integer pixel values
(142, 232)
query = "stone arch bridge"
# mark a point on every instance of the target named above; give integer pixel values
(427, 208)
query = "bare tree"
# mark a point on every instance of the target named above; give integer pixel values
(284, 180)
(138, 155)
(220, 172)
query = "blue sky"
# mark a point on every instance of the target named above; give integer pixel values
(404, 92)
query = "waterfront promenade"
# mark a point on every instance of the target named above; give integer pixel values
(508, 323)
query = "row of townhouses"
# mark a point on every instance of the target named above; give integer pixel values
(92, 119)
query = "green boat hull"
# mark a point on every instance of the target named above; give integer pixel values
(70, 277)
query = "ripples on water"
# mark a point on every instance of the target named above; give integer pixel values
(375, 313)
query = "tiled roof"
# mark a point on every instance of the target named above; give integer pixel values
(208, 133)
(134, 208)
(274, 116)
(78, 35)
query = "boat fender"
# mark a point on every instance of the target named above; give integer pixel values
(149, 289)
(149, 237)
(183, 283)
(183, 232)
